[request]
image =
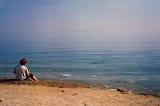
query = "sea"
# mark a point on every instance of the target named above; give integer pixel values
(133, 66)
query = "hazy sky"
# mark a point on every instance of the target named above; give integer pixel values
(81, 20)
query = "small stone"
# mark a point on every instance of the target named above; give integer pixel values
(121, 91)
(88, 86)
(1, 100)
(62, 90)
(84, 104)
(74, 94)
(61, 86)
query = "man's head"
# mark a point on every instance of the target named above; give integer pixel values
(23, 61)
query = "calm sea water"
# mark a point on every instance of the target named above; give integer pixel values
(135, 66)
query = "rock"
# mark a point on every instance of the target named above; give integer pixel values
(62, 90)
(84, 104)
(74, 94)
(121, 91)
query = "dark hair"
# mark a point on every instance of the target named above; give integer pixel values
(23, 61)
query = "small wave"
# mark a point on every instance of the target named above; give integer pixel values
(144, 79)
(106, 86)
(131, 81)
(94, 62)
(93, 75)
(66, 75)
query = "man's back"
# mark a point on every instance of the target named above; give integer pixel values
(20, 72)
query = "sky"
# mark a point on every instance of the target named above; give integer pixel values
(80, 20)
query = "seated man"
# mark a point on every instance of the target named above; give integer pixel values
(22, 72)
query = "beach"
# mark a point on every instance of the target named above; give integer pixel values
(67, 93)
(83, 52)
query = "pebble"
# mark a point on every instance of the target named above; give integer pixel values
(62, 90)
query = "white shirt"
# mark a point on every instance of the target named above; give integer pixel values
(20, 72)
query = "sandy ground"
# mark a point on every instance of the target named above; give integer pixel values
(68, 93)
(39, 95)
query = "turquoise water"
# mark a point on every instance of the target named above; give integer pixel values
(135, 66)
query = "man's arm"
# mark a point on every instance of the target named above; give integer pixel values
(27, 72)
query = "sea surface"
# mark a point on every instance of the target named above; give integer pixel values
(134, 66)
